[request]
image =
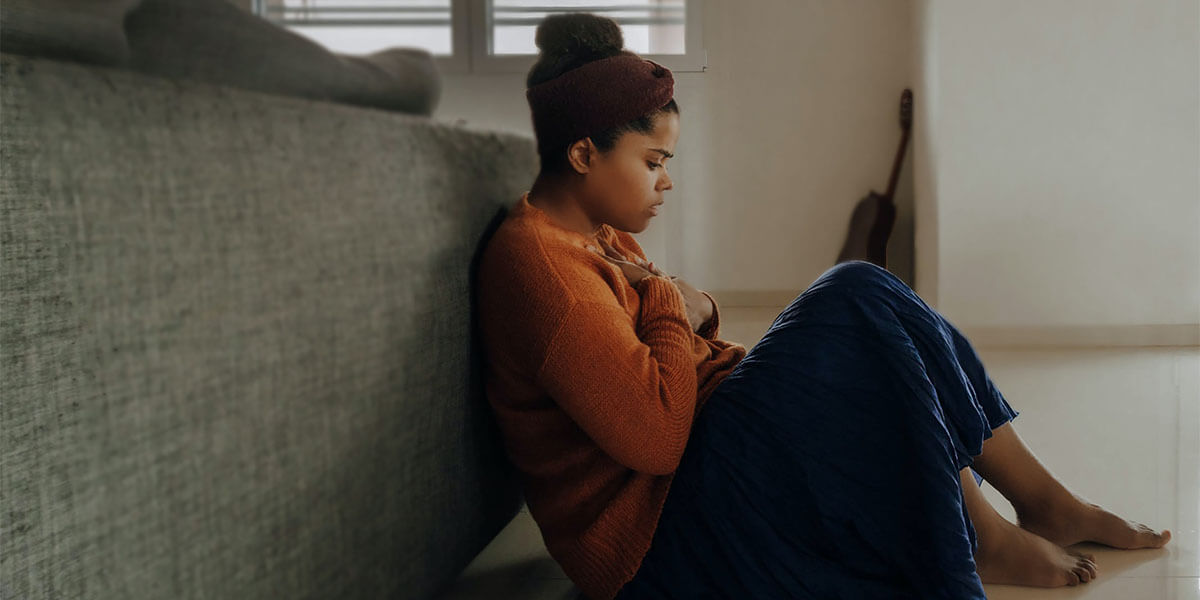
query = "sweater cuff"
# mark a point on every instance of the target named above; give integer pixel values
(659, 295)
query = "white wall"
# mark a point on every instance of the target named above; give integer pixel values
(796, 118)
(1055, 157)
(1059, 161)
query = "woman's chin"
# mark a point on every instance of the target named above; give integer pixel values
(634, 225)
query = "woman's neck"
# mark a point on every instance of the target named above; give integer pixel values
(562, 205)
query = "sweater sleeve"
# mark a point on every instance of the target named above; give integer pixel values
(635, 397)
(711, 329)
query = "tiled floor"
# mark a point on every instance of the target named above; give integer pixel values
(1119, 426)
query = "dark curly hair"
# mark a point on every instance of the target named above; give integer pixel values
(569, 41)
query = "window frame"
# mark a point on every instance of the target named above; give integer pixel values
(470, 40)
(470, 35)
(460, 39)
(695, 60)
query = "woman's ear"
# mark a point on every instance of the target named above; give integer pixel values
(580, 155)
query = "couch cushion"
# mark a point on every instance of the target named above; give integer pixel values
(217, 42)
(237, 343)
(88, 31)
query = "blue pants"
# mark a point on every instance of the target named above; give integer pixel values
(826, 465)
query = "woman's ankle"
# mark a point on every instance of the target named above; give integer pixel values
(1053, 499)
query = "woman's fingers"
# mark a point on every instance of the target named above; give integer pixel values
(634, 270)
(610, 251)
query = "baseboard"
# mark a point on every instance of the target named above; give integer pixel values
(754, 298)
(1182, 334)
(1171, 334)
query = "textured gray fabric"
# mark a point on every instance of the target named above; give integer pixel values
(217, 42)
(88, 31)
(236, 344)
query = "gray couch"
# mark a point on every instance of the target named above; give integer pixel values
(237, 342)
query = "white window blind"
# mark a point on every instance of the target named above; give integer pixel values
(487, 36)
(364, 26)
(649, 26)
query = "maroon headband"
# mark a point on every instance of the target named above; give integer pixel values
(599, 95)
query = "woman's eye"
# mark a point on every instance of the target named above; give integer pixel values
(654, 165)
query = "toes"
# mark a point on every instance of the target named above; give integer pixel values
(1148, 538)
(1159, 539)
(1088, 569)
(1073, 578)
(1082, 572)
(1084, 569)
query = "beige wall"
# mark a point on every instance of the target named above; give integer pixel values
(1054, 160)
(796, 118)
(1059, 165)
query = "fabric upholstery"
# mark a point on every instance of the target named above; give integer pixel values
(217, 42)
(88, 31)
(237, 345)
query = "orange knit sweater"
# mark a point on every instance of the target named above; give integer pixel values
(595, 385)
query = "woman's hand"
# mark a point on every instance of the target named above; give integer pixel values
(634, 271)
(699, 308)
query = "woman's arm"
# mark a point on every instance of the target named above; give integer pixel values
(699, 306)
(630, 386)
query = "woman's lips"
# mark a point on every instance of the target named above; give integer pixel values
(653, 210)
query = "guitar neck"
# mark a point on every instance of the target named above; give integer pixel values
(895, 177)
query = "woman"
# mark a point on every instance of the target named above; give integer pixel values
(659, 461)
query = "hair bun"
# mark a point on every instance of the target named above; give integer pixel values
(584, 35)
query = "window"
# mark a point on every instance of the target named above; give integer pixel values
(365, 26)
(649, 26)
(487, 36)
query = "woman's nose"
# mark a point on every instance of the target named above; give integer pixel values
(665, 182)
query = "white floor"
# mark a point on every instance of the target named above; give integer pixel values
(1119, 426)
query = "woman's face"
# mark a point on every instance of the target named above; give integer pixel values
(624, 186)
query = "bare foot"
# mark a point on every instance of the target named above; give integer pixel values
(1010, 555)
(1072, 519)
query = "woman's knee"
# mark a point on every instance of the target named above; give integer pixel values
(865, 282)
(858, 272)
(853, 282)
